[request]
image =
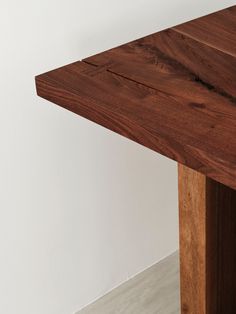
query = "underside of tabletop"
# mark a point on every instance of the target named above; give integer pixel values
(173, 91)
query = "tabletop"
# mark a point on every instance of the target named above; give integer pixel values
(173, 91)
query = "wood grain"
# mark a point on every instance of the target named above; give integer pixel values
(173, 92)
(216, 30)
(192, 219)
(207, 244)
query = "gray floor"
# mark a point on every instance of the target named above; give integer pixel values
(154, 291)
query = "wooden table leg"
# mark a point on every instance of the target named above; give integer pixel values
(207, 244)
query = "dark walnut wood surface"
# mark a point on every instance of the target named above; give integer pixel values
(173, 92)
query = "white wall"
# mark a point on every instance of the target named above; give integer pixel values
(81, 209)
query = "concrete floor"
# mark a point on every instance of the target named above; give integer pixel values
(154, 291)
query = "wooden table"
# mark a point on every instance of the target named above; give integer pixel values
(175, 92)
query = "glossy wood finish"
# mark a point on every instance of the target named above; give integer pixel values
(173, 91)
(207, 244)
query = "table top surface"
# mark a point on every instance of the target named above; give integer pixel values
(173, 92)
